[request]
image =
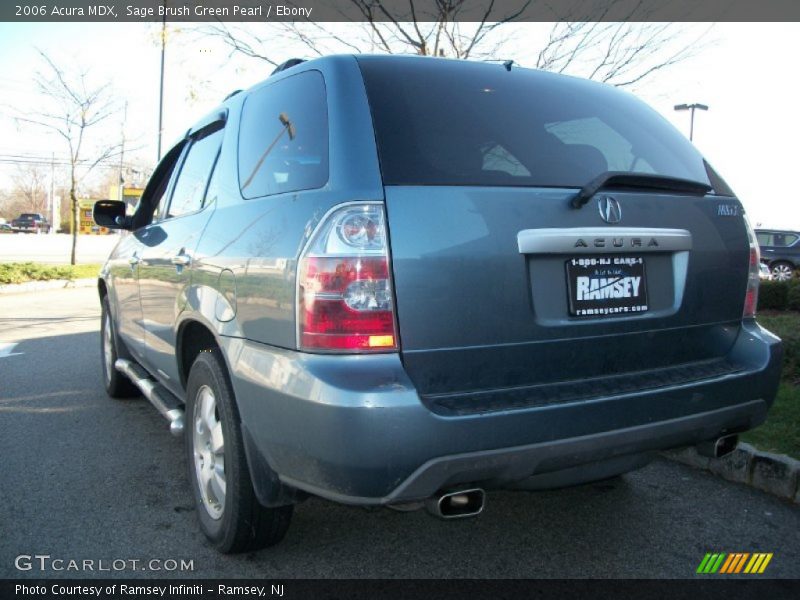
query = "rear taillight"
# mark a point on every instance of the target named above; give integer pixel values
(753, 275)
(344, 299)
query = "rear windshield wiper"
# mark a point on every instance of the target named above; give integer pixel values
(638, 180)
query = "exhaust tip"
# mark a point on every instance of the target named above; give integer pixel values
(458, 504)
(718, 447)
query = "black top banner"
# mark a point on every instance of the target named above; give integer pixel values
(255, 11)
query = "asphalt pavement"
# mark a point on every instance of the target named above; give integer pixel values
(88, 478)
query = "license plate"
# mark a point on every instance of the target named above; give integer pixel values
(606, 285)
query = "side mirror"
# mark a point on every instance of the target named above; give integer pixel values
(111, 214)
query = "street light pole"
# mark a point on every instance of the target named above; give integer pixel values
(691, 108)
(161, 85)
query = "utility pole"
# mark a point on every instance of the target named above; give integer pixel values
(120, 180)
(161, 85)
(691, 108)
(51, 201)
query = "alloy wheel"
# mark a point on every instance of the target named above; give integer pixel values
(108, 348)
(782, 272)
(209, 452)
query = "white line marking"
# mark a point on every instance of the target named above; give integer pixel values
(6, 348)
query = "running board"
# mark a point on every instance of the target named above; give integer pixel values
(164, 401)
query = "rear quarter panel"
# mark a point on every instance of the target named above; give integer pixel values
(246, 260)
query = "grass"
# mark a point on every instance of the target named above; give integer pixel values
(781, 431)
(29, 271)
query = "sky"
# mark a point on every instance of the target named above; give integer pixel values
(745, 74)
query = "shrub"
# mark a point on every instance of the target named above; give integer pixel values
(773, 295)
(28, 271)
(793, 296)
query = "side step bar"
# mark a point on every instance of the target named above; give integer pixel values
(164, 401)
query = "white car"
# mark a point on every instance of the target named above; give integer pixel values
(764, 273)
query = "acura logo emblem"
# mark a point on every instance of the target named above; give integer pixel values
(610, 210)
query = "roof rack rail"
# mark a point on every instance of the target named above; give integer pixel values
(232, 94)
(288, 65)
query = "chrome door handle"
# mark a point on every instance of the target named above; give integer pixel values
(181, 260)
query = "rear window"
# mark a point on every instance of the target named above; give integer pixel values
(445, 122)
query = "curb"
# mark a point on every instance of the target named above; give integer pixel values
(776, 474)
(53, 284)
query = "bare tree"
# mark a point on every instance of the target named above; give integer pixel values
(426, 28)
(582, 43)
(621, 53)
(11, 205)
(29, 189)
(73, 108)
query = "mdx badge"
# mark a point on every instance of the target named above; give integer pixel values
(610, 210)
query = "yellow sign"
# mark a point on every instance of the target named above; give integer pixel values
(130, 195)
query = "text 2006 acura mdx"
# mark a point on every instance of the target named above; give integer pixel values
(402, 281)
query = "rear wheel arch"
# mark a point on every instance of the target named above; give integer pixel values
(193, 338)
(784, 261)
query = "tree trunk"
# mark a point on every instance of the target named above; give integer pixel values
(75, 220)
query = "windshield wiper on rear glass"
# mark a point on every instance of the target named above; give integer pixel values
(628, 179)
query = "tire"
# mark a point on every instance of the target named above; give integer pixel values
(781, 271)
(116, 384)
(229, 512)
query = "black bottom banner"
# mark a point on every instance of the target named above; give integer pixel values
(345, 589)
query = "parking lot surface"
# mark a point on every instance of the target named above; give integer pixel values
(90, 478)
(55, 248)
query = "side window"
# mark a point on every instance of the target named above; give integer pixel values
(764, 239)
(283, 137)
(190, 189)
(784, 239)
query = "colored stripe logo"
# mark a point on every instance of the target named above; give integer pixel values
(735, 562)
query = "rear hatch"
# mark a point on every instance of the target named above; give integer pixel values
(507, 294)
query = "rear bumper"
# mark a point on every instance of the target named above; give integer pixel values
(353, 429)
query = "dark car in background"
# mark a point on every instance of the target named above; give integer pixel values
(780, 251)
(31, 223)
(403, 281)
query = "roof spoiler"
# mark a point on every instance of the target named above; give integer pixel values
(287, 65)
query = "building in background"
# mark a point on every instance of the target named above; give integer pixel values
(130, 195)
